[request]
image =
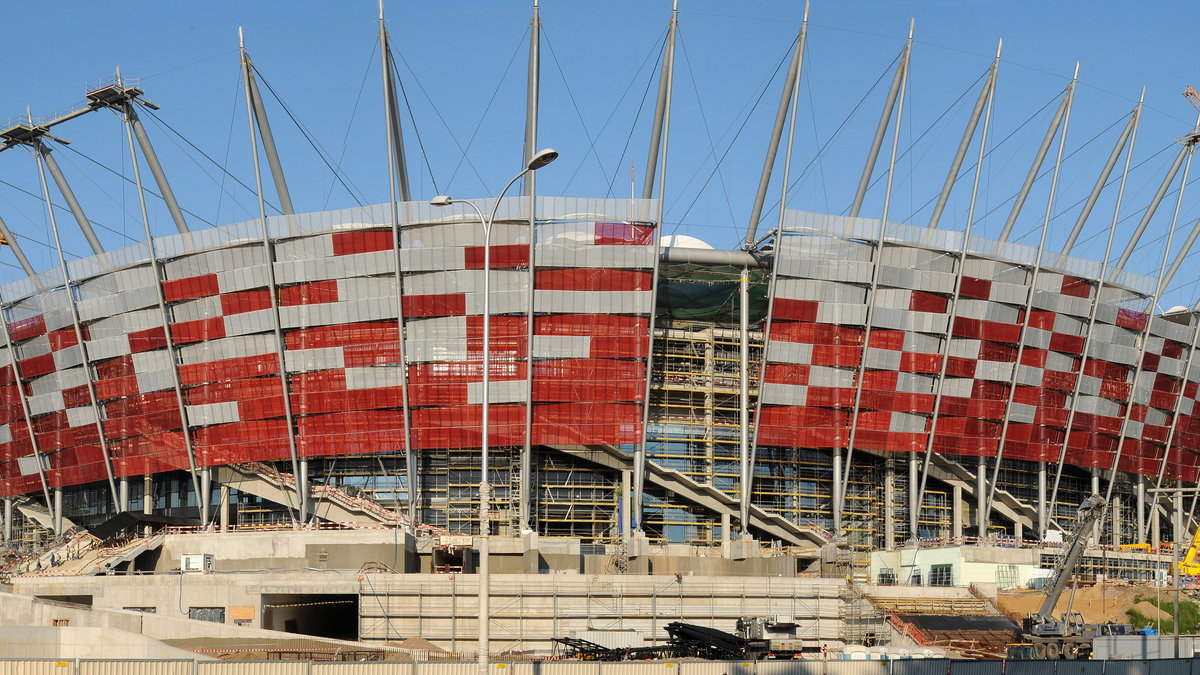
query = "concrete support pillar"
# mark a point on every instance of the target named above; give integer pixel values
(1155, 524)
(223, 505)
(1018, 530)
(205, 495)
(914, 509)
(302, 489)
(836, 490)
(627, 503)
(956, 511)
(8, 518)
(147, 499)
(123, 494)
(58, 511)
(1141, 509)
(725, 524)
(1095, 538)
(1115, 524)
(889, 506)
(981, 495)
(1043, 509)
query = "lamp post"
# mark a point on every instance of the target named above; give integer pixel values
(542, 158)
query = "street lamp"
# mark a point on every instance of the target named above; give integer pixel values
(542, 158)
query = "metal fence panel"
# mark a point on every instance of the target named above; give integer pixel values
(1033, 667)
(567, 668)
(37, 666)
(958, 667)
(716, 668)
(781, 667)
(864, 667)
(449, 668)
(132, 667)
(1131, 667)
(920, 666)
(251, 668)
(1077, 667)
(363, 668)
(1170, 666)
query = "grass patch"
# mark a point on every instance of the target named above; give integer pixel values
(1189, 616)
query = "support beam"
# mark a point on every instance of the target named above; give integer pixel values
(1141, 507)
(160, 178)
(11, 241)
(747, 479)
(524, 495)
(64, 188)
(665, 81)
(880, 129)
(639, 464)
(1102, 179)
(1038, 159)
(532, 91)
(837, 490)
(1097, 295)
(269, 259)
(983, 517)
(790, 85)
(8, 519)
(889, 505)
(258, 114)
(914, 500)
(956, 511)
(397, 158)
(1153, 207)
(1042, 511)
(42, 154)
(23, 397)
(961, 153)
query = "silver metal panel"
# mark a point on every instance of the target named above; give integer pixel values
(463, 233)
(996, 270)
(509, 301)
(849, 271)
(825, 376)
(211, 262)
(374, 377)
(213, 413)
(57, 381)
(333, 313)
(915, 383)
(1170, 329)
(45, 403)
(1114, 353)
(304, 248)
(122, 324)
(1066, 304)
(1013, 294)
(503, 391)
(842, 314)
(896, 319)
(561, 347)
(1069, 325)
(430, 259)
(366, 287)
(303, 360)
(1133, 429)
(146, 362)
(6, 433)
(967, 349)
(441, 350)
(790, 352)
(242, 279)
(893, 298)
(923, 344)
(1113, 335)
(567, 255)
(1064, 363)
(1021, 412)
(1096, 405)
(67, 358)
(35, 346)
(259, 321)
(882, 359)
(155, 381)
(987, 310)
(816, 289)
(194, 310)
(994, 371)
(957, 386)
(439, 328)
(1029, 375)
(227, 348)
(338, 267)
(462, 281)
(1154, 345)
(1036, 338)
(917, 258)
(907, 422)
(77, 417)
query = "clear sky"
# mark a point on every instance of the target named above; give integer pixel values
(462, 66)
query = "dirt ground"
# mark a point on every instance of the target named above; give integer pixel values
(1097, 603)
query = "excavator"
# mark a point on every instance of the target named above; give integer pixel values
(1068, 636)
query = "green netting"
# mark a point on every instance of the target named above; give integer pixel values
(710, 292)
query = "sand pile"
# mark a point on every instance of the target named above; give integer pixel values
(1097, 603)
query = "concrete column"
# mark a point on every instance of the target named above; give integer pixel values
(123, 494)
(1018, 530)
(8, 509)
(981, 495)
(626, 503)
(914, 509)
(148, 494)
(1116, 521)
(58, 508)
(725, 524)
(1155, 524)
(836, 490)
(1141, 508)
(205, 495)
(889, 506)
(956, 511)
(302, 489)
(1043, 522)
(1095, 538)
(223, 500)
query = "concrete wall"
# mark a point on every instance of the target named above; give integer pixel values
(316, 549)
(75, 642)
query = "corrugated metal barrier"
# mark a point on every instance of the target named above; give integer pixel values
(781, 667)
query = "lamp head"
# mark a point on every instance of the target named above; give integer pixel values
(441, 200)
(542, 158)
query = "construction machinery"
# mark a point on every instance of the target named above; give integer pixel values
(1068, 636)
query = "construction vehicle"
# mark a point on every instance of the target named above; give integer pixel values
(756, 638)
(1069, 636)
(1189, 566)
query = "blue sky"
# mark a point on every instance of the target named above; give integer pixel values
(463, 71)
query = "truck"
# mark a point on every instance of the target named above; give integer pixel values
(1068, 636)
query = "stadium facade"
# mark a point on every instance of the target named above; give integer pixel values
(843, 375)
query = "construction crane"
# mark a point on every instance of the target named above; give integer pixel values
(1192, 96)
(1068, 636)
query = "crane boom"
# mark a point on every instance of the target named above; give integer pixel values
(1089, 512)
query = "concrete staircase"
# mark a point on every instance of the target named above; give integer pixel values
(706, 496)
(325, 502)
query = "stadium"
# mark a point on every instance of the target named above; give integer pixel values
(838, 383)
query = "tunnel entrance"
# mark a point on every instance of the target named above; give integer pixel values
(318, 614)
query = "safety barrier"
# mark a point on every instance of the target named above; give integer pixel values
(552, 667)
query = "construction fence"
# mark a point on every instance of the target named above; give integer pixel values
(796, 667)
